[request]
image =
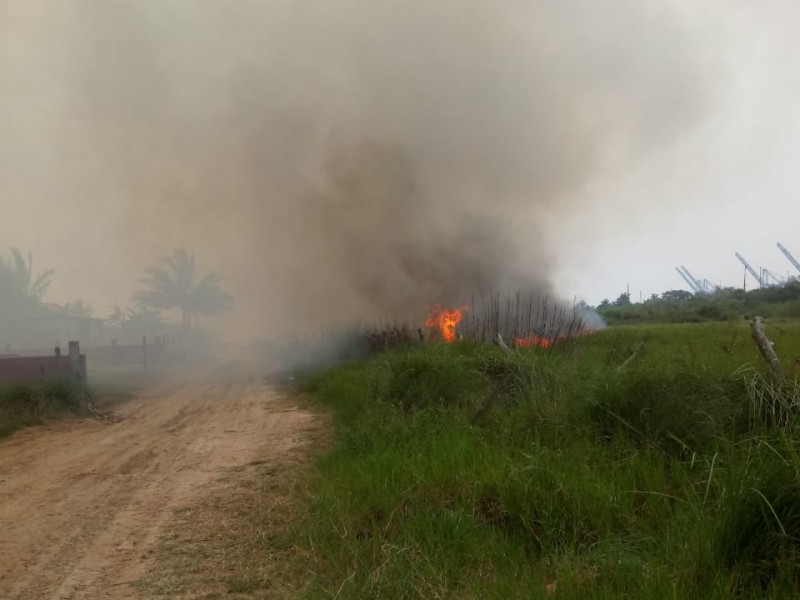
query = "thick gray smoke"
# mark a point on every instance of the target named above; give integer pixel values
(336, 159)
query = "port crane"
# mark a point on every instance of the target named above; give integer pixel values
(756, 275)
(788, 255)
(769, 278)
(689, 281)
(764, 277)
(698, 286)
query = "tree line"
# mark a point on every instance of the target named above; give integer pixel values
(680, 306)
(173, 284)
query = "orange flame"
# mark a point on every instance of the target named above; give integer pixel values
(533, 340)
(446, 319)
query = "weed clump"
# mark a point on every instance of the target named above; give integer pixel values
(759, 531)
(24, 404)
(677, 413)
(774, 403)
(423, 381)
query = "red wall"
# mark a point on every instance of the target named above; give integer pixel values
(29, 368)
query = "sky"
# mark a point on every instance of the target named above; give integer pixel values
(356, 159)
(730, 185)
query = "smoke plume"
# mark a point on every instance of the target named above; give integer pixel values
(333, 160)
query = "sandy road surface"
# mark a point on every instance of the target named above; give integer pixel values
(81, 502)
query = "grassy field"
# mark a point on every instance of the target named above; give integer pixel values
(459, 471)
(31, 403)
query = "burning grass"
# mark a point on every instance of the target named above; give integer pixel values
(464, 471)
(526, 321)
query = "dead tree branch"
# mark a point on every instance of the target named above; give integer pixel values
(503, 346)
(632, 357)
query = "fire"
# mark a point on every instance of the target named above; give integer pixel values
(446, 319)
(533, 340)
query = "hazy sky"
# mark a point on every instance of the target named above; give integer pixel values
(729, 185)
(346, 157)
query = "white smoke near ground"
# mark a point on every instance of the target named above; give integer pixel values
(335, 161)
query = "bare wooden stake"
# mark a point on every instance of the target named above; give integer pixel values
(765, 346)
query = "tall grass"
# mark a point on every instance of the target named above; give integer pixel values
(30, 403)
(463, 471)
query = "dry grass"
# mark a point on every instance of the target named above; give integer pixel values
(237, 541)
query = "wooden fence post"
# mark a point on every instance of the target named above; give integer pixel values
(75, 358)
(77, 363)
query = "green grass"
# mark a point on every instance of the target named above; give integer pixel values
(459, 471)
(31, 403)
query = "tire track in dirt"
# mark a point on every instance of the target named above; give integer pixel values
(82, 502)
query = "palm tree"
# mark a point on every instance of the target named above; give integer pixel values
(21, 290)
(117, 318)
(79, 308)
(174, 284)
(135, 322)
(144, 319)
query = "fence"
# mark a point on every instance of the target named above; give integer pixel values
(144, 355)
(32, 368)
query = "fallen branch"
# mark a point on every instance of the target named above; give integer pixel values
(632, 357)
(765, 346)
(91, 408)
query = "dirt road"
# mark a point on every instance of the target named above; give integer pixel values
(81, 502)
